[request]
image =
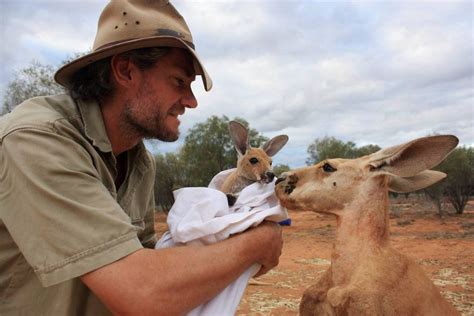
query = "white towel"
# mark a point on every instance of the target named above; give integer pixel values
(201, 216)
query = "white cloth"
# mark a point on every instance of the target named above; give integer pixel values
(202, 216)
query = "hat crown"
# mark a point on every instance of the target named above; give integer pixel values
(126, 25)
(123, 20)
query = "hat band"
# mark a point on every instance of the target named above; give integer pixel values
(190, 44)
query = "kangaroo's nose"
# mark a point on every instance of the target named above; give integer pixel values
(280, 179)
(270, 175)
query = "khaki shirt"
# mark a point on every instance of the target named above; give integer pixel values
(61, 215)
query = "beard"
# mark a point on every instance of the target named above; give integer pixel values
(137, 123)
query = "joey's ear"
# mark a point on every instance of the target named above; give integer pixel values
(420, 181)
(274, 145)
(411, 158)
(240, 137)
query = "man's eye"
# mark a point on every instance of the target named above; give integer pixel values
(253, 160)
(328, 168)
(179, 82)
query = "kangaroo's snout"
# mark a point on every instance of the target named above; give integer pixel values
(287, 182)
(280, 179)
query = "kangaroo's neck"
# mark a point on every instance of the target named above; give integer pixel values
(236, 182)
(362, 231)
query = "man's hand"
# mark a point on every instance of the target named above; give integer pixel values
(172, 281)
(269, 240)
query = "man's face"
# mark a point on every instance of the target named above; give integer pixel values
(162, 94)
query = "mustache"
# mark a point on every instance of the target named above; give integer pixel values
(177, 110)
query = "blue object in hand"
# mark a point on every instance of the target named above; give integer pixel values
(286, 222)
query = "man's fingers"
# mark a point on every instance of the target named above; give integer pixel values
(271, 234)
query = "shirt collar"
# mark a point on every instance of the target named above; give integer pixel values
(95, 131)
(94, 126)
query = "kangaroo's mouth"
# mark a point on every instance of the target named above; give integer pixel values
(289, 188)
(287, 183)
(267, 177)
(280, 179)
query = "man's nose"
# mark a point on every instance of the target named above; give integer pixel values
(189, 100)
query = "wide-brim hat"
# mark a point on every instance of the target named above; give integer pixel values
(126, 25)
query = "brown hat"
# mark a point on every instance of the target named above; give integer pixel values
(131, 24)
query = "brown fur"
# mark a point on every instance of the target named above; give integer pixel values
(367, 276)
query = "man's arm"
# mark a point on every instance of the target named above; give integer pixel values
(175, 280)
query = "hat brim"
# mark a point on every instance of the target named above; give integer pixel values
(65, 73)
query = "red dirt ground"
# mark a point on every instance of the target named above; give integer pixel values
(444, 247)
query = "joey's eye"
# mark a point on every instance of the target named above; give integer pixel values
(271, 163)
(253, 160)
(328, 168)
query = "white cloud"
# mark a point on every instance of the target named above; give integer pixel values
(365, 71)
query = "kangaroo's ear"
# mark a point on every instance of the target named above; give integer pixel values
(240, 137)
(274, 145)
(411, 158)
(420, 181)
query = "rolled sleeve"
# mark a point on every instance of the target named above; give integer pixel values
(57, 208)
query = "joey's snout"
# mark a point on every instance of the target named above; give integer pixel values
(268, 176)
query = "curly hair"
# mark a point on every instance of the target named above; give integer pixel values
(94, 81)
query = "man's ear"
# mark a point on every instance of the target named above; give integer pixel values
(122, 70)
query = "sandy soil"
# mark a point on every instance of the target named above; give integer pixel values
(444, 247)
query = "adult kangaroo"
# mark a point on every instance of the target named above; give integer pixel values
(367, 276)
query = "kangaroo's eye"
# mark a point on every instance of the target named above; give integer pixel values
(253, 160)
(271, 163)
(328, 168)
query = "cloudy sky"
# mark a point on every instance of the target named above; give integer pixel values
(371, 72)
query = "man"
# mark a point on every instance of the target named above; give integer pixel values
(76, 183)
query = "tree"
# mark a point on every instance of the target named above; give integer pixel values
(32, 81)
(436, 193)
(330, 147)
(459, 184)
(279, 169)
(207, 150)
(366, 150)
(170, 175)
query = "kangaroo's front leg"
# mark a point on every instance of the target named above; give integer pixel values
(314, 298)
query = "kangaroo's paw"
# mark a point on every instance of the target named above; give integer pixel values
(338, 296)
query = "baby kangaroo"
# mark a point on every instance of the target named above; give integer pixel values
(254, 164)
